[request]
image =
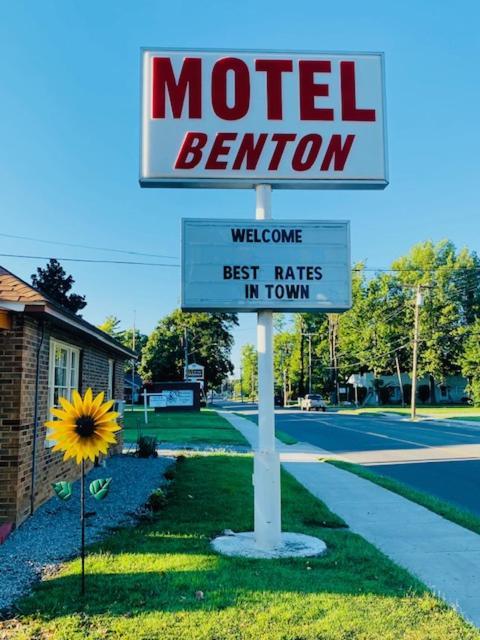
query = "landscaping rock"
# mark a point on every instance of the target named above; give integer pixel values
(52, 534)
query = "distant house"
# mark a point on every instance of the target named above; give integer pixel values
(45, 352)
(451, 391)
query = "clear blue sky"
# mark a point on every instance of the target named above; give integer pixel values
(69, 114)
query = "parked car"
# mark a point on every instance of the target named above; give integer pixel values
(312, 402)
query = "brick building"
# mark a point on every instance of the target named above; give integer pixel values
(45, 352)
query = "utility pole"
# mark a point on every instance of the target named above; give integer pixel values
(185, 352)
(418, 304)
(133, 359)
(284, 387)
(309, 336)
(309, 363)
(400, 383)
(332, 345)
(241, 384)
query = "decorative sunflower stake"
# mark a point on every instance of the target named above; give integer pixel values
(84, 429)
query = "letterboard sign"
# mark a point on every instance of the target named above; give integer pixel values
(290, 266)
(236, 119)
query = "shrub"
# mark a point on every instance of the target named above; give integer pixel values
(407, 393)
(147, 447)
(158, 500)
(384, 394)
(170, 474)
(423, 392)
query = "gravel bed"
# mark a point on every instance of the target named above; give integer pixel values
(52, 534)
(130, 447)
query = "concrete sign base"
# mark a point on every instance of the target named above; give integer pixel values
(293, 545)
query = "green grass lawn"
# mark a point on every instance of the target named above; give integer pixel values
(286, 438)
(460, 412)
(445, 509)
(144, 583)
(204, 427)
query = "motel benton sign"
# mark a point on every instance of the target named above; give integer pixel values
(237, 119)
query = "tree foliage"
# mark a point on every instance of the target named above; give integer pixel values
(470, 361)
(210, 341)
(249, 372)
(111, 325)
(378, 329)
(54, 282)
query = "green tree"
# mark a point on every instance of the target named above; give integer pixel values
(283, 345)
(54, 282)
(111, 325)
(126, 338)
(249, 371)
(210, 341)
(450, 282)
(470, 361)
(374, 330)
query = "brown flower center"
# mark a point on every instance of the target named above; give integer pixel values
(85, 426)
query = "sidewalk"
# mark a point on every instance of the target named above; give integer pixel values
(445, 556)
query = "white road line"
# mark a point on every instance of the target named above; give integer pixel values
(372, 433)
(434, 430)
(431, 431)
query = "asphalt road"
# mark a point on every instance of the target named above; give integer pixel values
(435, 457)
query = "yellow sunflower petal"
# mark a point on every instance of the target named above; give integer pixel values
(98, 400)
(107, 437)
(109, 426)
(104, 408)
(67, 406)
(67, 455)
(108, 417)
(87, 402)
(61, 414)
(77, 402)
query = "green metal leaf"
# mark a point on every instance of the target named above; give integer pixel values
(63, 489)
(99, 488)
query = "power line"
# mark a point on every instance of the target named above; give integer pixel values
(86, 246)
(414, 269)
(362, 364)
(147, 264)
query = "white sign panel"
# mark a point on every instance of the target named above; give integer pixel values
(173, 398)
(290, 266)
(158, 400)
(195, 372)
(241, 118)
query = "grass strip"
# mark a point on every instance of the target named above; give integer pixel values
(443, 508)
(286, 438)
(423, 411)
(189, 427)
(161, 580)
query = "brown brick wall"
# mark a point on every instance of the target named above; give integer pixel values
(11, 349)
(18, 353)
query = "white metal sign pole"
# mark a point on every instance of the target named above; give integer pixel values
(266, 478)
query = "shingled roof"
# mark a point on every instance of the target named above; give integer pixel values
(12, 289)
(15, 290)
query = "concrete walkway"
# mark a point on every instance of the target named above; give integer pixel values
(443, 555)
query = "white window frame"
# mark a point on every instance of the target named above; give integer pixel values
(70, 385)
(111, 373)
